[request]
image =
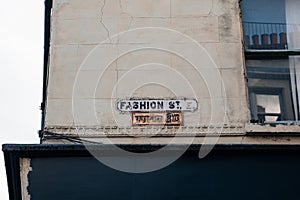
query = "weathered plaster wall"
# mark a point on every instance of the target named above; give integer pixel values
(105, 50)
(25, 168)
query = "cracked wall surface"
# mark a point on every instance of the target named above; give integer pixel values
(105, 50)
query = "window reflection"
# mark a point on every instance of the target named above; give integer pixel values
(268, 107)
(271, 27)
(272, 43)
(271, 91)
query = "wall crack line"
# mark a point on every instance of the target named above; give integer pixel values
(101, 20)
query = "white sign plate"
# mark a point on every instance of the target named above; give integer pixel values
(157, 105)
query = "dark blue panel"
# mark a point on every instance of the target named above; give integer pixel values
(267, 11)
(221, 175)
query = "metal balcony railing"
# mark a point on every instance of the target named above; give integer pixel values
(265, 35)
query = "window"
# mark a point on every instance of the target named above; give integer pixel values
(270, 89)
(272, 42)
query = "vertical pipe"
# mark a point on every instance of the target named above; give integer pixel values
(48, 7)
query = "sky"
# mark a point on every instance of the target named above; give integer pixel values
(21, 68)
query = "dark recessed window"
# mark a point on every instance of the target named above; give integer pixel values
(271, 90)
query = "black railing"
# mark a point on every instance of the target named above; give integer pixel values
(265, 35)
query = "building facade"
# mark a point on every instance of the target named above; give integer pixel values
(136, 91)
(235, 62)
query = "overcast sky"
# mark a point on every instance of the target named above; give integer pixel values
(21, 67)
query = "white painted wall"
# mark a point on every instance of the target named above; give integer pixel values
(105, 50)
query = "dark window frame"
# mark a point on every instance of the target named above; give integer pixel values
(269, 88)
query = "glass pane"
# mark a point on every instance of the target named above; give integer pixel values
(268, 106)
(295, 83)
(293, 26)
(270, 103)
(269, 79)
(271, 24)
(264, 23)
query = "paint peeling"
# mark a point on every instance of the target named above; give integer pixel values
(25, 168)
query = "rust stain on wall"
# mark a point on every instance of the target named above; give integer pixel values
(160, 118)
